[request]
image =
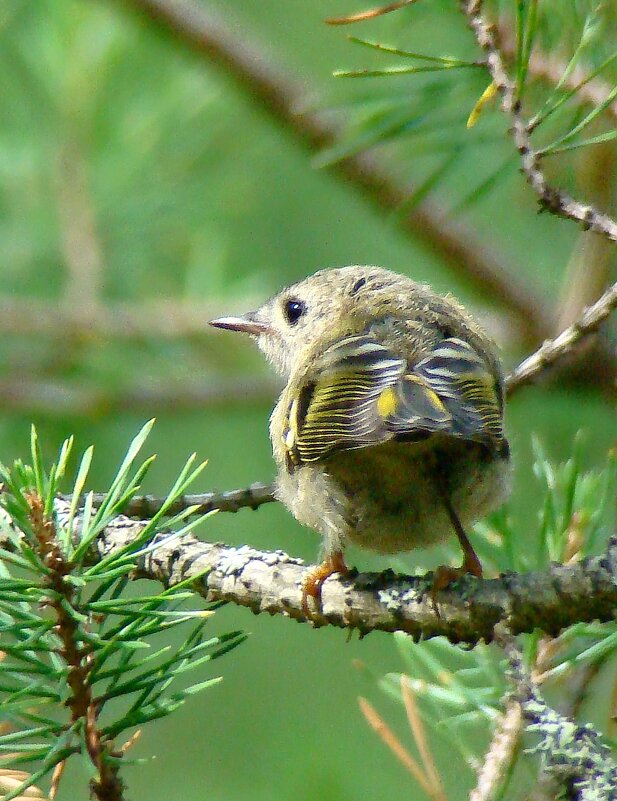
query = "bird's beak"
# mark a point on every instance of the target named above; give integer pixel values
(247, 324)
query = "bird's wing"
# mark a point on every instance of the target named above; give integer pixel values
(461, 381)
(362, 394)
(339, 408)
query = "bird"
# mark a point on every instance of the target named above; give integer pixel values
(389, 432)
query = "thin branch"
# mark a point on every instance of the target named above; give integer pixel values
(554, 200)
(467, 612)
(555, 349)
(289, 106)
(146, 506)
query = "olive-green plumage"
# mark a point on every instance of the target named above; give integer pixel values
(392, 416)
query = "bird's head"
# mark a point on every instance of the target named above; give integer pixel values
(309, 316)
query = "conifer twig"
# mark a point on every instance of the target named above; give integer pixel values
(146, 506)
(107, 784)
(551, 199)
(550, 69)
(572, 755)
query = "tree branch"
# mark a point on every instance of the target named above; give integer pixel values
(554, 200)
(553, 350)
(288, 105)
(467, 612)
(146, 506)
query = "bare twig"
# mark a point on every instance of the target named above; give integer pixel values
(146, 506)
(562, 346)
(289, 106)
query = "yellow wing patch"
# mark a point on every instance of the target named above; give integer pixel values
(359, 393)
(387, 403)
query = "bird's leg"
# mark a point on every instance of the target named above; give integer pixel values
(445, 575)
(333, 563)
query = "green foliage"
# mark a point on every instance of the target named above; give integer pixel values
(578, 42)
(83, 660)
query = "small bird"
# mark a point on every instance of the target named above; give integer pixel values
(389, 431)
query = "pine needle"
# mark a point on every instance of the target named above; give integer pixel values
(394, 744)
(417, 729)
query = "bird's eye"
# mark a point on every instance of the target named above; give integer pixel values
(294, 309)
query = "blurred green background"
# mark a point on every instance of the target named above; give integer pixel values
(137, 182)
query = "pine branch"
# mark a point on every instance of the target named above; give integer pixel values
(572, 755)
(467, 612)
(548, 68)
(551, 199)
(289, 106)
(107, 784)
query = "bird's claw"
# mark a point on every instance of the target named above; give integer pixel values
(313, 583)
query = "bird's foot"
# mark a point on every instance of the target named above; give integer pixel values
(311, 588)
(445, 575)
